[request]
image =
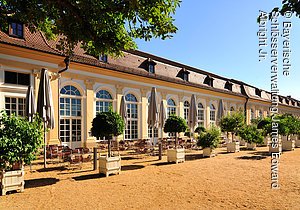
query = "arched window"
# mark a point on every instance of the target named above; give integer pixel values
(149, 128)
(212, 114)
(131, 131)
(171, 107)
(70, 115)
(260, 114)
(200, 114)
(252, 114)
(232, 109)
(103, 101)
(186, 107)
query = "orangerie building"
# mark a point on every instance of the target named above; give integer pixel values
(91, 85)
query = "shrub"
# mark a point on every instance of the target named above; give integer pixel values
(107, 124)
(19, 140)
(210, 138)
(175, 124)
(251, 134)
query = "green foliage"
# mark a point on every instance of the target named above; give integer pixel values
(251, 134)
(175, 124)
(200, 129)
(209, 138)
(19, 139)
(265, 124)
(107, 124)
(103, 27)
(288, 125)
(232, 122)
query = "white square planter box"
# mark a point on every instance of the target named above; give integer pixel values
(243, 142)
(275, 150)
(233, 147)
(12, 180)
(176, 155)
(251, 146)
(297, 143)
(209, 152)
(109, 165)
(288, 145)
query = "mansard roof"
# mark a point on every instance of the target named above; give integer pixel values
(165, 69)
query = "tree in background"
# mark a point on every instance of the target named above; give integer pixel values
(102, 27)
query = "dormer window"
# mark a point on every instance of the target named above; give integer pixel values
(16, 29)
(228, 85)
(258, 92)
(209, 81)
(103, 58)
(183, 74)
(151, 68)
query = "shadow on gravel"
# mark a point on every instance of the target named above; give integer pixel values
(131, 167)
(255, 157)
(32, 183)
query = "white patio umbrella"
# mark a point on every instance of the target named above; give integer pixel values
(123, 113)
(152, 112)
(30, 109)
(45, 105)
(192, 114)
(221, 111)
(162, 117)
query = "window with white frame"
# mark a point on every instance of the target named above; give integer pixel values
(200, 114)
(260, 114)
(103, 101)
(171, 107)
(186, 107)
(252, 114)
(131, 131)
(15, 105)
(70, 114)
(212, 114)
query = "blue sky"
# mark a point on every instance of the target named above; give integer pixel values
(221, 37)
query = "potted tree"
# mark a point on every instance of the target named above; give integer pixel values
(252, 136)
(19, 144)
(175, 124)
(209, 140)
(297, 141)
(265, 124)
(287, 127)
(109, 125)
(231, 123)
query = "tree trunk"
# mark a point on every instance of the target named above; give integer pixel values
(232, 135)
(176, 140)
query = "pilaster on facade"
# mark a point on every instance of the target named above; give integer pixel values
(144, 113)
(89, 113)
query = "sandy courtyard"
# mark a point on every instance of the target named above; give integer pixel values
(229, 181)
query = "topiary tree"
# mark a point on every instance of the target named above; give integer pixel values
(175, 124)
(251, 134)
(265, 124)
(232, 123)
(107, 124)
(200, 129)
(19, 140)
(210, 138)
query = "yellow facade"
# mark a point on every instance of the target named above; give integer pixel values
(88, 80)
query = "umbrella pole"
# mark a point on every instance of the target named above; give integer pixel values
(45, 164)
